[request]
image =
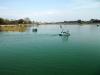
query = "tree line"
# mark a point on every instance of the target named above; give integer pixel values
(4, 21)
(80, 21)
(91, 21)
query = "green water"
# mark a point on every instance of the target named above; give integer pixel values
(45, 53)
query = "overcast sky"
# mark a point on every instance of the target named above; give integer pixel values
(50, 10)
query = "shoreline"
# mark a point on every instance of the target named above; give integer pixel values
(26, 25)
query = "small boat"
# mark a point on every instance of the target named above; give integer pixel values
(64, 34)
(34, 30)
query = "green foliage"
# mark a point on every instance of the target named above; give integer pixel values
(79, 21)
(19, 21)
(1, 21)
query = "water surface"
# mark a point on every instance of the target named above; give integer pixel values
(45, 53)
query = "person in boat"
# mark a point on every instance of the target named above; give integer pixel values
(63, 33)
(66, 32)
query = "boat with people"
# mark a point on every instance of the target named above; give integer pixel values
(64, 33)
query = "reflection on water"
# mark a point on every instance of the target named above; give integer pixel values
(13, 28)
(46, 28)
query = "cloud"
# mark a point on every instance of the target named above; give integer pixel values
(76, 9)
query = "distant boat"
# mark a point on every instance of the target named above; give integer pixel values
(34, 29)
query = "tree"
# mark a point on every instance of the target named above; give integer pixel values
(79, 21)
(27, 21)
(1, 21)
(21, 21)
(95, 21)
(6, 21)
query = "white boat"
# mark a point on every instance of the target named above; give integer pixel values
(64, 34)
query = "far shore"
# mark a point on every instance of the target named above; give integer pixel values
(25, 25)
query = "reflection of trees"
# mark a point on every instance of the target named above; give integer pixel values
(17, 28)
(0, 29)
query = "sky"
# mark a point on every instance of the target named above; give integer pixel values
(50, 10)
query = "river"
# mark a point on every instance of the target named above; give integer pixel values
(46, 53)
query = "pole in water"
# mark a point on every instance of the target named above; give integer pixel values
(61, 26)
